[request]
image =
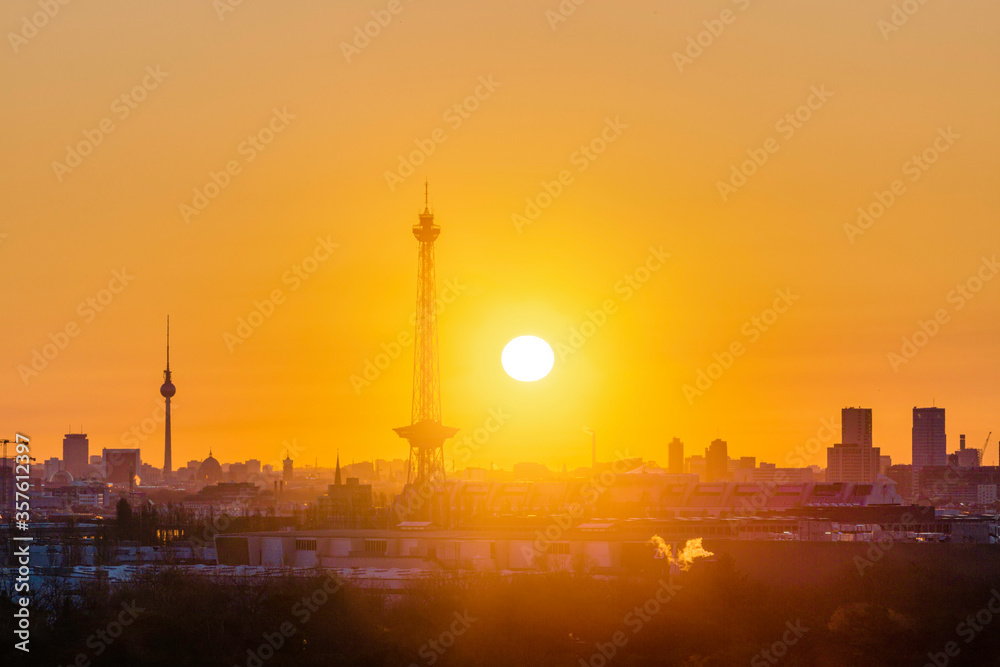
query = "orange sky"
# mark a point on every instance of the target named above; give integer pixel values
(675, 128)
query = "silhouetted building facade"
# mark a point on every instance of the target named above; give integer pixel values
(675, 457)
(76, 454)
(717, 461)
(121, 466)
(347, 505)
(930, 444)
(856, 426)
(852, 463)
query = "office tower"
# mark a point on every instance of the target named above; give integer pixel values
(717, 461)
(856, 426)
(852, 463)
(76, 454)
(930, 444)
(695, 465)
(675, 456)
(121, 466)
(287, 471)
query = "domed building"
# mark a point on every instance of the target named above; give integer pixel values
(61, 478)
(209, 471)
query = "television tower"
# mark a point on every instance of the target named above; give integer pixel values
(167, 390)
(425, 432)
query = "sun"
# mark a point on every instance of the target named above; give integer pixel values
(527, 358)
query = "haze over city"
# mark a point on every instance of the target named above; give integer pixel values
(552, 90)
(536, 332)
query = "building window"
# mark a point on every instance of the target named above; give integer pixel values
(305, 545)
(559, 548)
(375, 546)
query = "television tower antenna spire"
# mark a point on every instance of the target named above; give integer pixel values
(167, 391)
(425, 432)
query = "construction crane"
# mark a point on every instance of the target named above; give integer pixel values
(982, 452)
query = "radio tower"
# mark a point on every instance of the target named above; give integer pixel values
(425, 432)
(167, 390)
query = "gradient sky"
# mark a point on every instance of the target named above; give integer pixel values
(323, 176)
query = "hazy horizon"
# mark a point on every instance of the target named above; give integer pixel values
(673, 131)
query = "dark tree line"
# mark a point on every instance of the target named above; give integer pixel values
(895, 614)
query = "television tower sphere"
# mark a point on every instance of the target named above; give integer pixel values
(168, 390)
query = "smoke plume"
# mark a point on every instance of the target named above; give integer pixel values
(685, 556)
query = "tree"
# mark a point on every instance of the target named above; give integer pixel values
(123, 511)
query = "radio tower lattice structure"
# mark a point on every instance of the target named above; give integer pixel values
(425, 432)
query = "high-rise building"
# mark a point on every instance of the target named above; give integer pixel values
(930, 444)
(51, 466)
(288, 471)
(852, 463)
(695, 465)
(675, 457)
(76, 454)
(121, 466)
(856, 426)
(902, 475)
(717, 461)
